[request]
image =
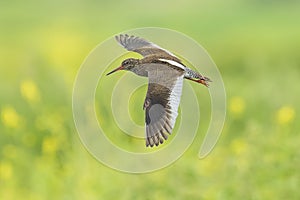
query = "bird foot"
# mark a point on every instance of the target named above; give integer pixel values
(203, 81)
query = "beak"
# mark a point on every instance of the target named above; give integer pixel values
(117, 69)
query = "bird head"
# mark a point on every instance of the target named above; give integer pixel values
(127, 64)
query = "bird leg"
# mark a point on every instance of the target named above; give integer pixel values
(202, 80)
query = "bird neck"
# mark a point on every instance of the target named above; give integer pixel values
(139, 70)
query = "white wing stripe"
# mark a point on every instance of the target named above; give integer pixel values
(172, 62)
(174, 99)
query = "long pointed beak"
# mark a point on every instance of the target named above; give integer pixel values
(117, 69)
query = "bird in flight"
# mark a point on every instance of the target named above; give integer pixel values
(165, 74)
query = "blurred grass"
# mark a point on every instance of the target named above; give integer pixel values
(256, 46)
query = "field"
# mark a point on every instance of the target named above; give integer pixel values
(255, 45)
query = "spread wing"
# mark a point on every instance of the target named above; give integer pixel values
(144, 47)
(162, 102)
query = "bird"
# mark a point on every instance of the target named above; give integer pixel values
(165, 73)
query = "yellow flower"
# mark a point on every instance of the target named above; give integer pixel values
(50, 145)
(236, 105)
(238, 146)
(5, 170)
(30, 91)
(10, 117)
(285, 115)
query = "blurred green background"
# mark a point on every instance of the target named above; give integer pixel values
(256, 46)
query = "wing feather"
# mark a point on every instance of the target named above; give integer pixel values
(163, 98)
(144, 47)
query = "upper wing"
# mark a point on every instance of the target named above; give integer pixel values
(162, 102)
(143, 47)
